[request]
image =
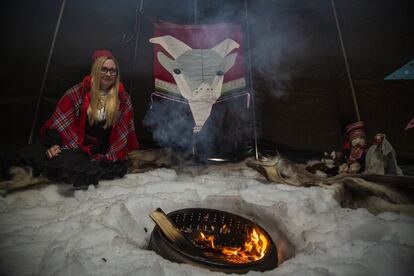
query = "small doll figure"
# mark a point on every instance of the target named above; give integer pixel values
(355, 149)
(381, 157)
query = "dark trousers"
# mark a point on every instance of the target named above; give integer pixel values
(70, 166)
(75, 167)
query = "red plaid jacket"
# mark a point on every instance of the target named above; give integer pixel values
(70, 117)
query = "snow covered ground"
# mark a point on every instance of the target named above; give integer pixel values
(53, 230)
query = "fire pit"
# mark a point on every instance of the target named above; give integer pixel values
(223, 241)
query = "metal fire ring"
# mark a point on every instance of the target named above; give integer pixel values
(193, 220)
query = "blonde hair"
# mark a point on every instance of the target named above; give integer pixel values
(112, 99)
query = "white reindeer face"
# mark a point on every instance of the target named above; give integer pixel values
(198, 73)
(197, 66)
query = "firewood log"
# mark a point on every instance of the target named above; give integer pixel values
(173, 234)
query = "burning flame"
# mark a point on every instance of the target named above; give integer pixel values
(254, 248)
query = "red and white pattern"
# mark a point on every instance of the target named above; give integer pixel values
(198, 64)
(70, 117)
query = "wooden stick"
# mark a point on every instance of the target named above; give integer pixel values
(174, 234)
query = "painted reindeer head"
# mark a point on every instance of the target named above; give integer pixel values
(198, 73)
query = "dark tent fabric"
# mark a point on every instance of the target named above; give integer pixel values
(301, 90)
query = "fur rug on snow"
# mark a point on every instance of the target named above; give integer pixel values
(377, 193)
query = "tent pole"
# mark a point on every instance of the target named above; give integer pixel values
(42, 87)
(348, 71)
(251, 79)
(194, 135)
(137, 38)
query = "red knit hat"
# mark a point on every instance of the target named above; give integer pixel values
(353, 126)
(101, 53)
(355, 130)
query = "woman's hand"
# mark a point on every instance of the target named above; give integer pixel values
(53, 151)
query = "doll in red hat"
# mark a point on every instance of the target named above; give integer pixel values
(350, 160)
(355, 149)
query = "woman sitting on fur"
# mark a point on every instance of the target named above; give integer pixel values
(89, 134)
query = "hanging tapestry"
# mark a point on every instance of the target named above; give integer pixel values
(198, 64)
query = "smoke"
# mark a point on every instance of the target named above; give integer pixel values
(170, 123)
(223, 135)
(278, 38)
(229, 125)
(279, 35)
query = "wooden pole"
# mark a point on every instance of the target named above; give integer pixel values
(49, 58)
(256, 151)
(348, 70)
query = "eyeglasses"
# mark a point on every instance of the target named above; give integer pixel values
(112, 71)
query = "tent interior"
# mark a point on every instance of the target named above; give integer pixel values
(295, 65)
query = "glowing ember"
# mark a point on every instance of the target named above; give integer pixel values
(254, 248)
